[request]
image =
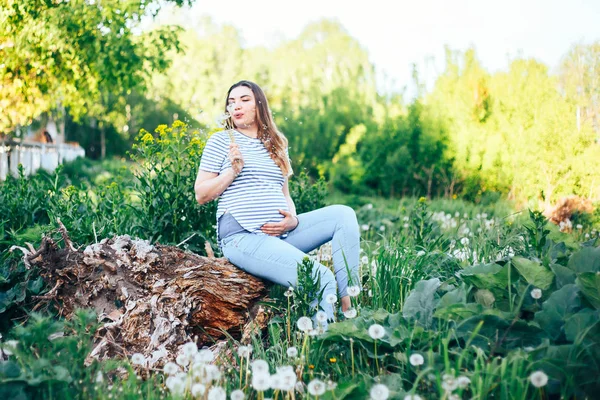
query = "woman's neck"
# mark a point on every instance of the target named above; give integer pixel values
(251, 130)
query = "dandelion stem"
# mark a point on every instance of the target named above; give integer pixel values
(352, 355)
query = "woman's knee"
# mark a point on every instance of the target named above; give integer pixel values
(344, 212)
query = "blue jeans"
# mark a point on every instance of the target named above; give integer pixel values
(276, 259)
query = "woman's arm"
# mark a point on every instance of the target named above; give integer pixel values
(210, 185)
(288, 198)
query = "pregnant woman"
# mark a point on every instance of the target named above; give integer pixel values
(247, 167)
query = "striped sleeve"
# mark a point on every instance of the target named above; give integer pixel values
(214, 153)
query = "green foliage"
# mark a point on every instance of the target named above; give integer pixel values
(307, 196)
(167, 211)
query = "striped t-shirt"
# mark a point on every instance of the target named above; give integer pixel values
(255, 195)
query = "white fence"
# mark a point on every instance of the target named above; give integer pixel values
(34, 156)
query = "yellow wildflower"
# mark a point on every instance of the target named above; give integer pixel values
(333, 360)
(179, 124)
(422, 199)
(148, 138)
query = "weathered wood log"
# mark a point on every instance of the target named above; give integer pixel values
(150, 298)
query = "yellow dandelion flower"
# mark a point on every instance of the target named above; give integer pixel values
(422, 199)
(333, 360)
(179, 124)
(311, 366)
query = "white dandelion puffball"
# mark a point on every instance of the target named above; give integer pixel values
(171, 368)
(463, 381)
(412, 397)
(204, 356)
(364, 260)
(379, 392)
(244, 351)
(237, 395)
(350, 313)
(261, 382)
(353, 291)
(331, 298)
(321, 316)
(449, 384)
(182, 360)
(464, 241)
(198, 389)
(364, 227)
(288, 378)
(316, 387)
(217, 393)
(536, 293)
(292, 352)
(175, 385)
(259, 367)
(138, 359)
(304, 324)
(416, 359)
(376, 331)
(538, 379)
(189, 349)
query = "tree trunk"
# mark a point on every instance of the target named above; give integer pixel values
(150, 298)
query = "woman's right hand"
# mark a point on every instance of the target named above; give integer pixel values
(235, 156)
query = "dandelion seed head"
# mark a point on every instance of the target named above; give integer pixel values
(331, 298)
(316, 387)
(217, 393)
(350, 313)
(292, 352)
(538, 379)
(416, 359)
(304, 324)
(237, 395)
(171, 368)
(259, 367)
(261, 381)
(379, 392)
(198, 389)
(463, 382)
(536, 293)
(376, 331)
(353, 291)
(321, 316)
(138, 359)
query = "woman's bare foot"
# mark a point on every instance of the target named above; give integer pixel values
(346, 303)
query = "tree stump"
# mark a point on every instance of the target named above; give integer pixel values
(150, 298)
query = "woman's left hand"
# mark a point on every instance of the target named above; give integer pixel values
(288, 223)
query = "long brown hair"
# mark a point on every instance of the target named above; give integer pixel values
(275, 142)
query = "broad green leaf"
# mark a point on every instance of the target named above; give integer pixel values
(580, 323)
(589, 284)
(458, 311)
(564, 275)
(560, 305)
(585, 260)
(499, 333)
(420, 303)
(533, 272)
(9, 369)
(486, 276)
(455, 296)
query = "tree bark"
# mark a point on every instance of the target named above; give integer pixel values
(149, 298)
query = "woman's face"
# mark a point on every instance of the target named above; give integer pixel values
(242, 107)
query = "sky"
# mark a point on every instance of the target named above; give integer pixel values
(397, 34)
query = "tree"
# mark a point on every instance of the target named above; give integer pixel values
(82, 55)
